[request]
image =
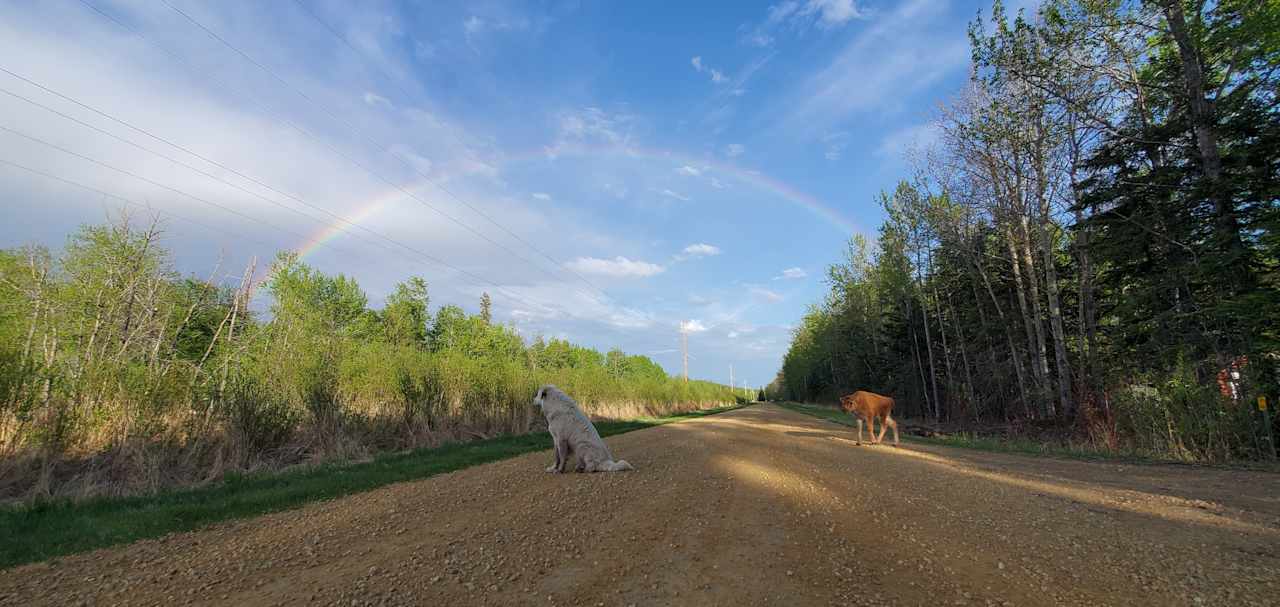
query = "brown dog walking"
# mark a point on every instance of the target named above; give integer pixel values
(867, 406)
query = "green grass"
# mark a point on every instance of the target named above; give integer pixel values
(47, 530)
(1026, 446)
(1021, 446)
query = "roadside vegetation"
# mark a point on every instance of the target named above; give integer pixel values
(986, 439)
(49, 529)
(1090, 244)
(118, 376)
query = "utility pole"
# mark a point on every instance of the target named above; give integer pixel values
(684, 350)
(732, 386)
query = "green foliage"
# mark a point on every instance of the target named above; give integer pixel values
(1099, 234)
(104, 350)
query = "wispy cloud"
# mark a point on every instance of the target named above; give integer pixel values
(692, 326)
(764, 294)
(590, 125)
(908, 139)
(690, 171)
(561, 302)
(695, 251)
(791, 274)
(373, 98)
(716, 75)
(676, 195)
(798, 16)
(835, 144)
(542, 196)
(618, 267)
(733, 150)
(899, 54)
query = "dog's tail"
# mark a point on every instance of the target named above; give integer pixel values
(616, 466)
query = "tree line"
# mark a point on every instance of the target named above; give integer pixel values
(117, 374)
(1092, 240)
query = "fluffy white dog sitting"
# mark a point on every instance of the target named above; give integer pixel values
(573, 435)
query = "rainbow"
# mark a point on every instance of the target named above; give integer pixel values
(750, 176)
(754, 178)
(364, 212)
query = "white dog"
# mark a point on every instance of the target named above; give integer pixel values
(573, 435)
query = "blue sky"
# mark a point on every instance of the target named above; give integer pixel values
(606, 170)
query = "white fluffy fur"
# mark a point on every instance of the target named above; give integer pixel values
(574, 435)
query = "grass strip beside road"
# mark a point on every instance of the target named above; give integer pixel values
(45, 530)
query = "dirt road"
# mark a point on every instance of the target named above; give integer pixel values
(760, 506)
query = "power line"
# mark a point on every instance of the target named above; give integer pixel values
(474, 278)
(144, 179)
(181, 61)
(361, 134)
(423, 254)
(131, 202)
(406, 94)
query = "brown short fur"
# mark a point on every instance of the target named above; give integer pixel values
(868, 406)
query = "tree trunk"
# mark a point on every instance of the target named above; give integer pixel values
(964, 360)
(946, 349)
(1055, 316)
(1204, 125)
(1027, 323)
(1033, 281)
(915, 349)
(928, 346)
(1014, 355)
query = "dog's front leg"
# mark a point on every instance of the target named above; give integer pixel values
(559, 465)
(562, 456)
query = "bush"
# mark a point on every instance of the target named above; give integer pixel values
(129, 357)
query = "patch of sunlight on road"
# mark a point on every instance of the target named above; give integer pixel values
(1170, 508)
(800, 488)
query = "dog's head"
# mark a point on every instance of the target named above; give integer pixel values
(544, 394)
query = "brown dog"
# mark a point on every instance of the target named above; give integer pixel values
(868, 406)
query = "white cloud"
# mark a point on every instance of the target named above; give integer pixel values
(758, 38)
(715, 183)
(373, 98)
(617, 267)
(688, 170)
(791, 274)
(678, 196)
(692, 326)
(734, 150)
(835, 144)
(765, 294)
(908, 139)
(732, 335)
(542, 196)
(701, 249)
(832, 12)
(798, 16)
(590, 125)
(901, 53)
(569, 302)
(474, 25)
(617, 191)
(716, 75)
